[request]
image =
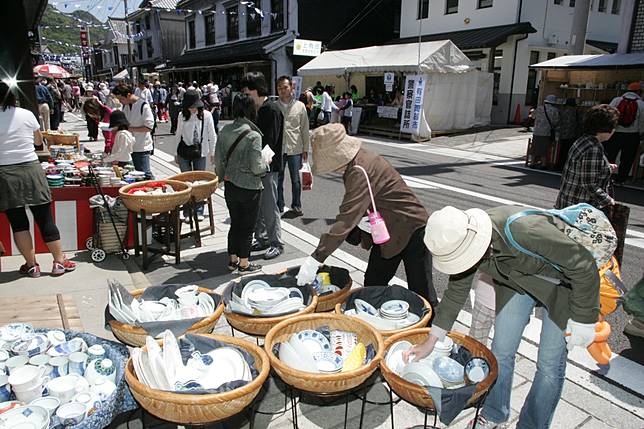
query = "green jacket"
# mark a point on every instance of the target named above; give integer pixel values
(245, 167)
(515, 272)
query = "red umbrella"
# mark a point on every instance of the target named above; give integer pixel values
(51, 70)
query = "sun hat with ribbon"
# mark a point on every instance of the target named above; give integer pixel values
(332, 148)
(457, 239)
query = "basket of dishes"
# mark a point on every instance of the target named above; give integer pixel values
(60, 138)
(254, 304)
(332, 284)
(132, 316)
(197, 379)
(203, 183)
(155, 196)
(458, 362)
(389, 309)
(324, 353)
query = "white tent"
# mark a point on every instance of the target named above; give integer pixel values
(123, 74)
(457, 95)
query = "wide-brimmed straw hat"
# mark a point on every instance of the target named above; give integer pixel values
(457, 239)
(191, 99)
(332, 148)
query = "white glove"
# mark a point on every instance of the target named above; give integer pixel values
(581, 334)
(308, 271)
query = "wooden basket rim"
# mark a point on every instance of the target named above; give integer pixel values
(123, 189)
(208, 398)
(318, 377)
(345, 290)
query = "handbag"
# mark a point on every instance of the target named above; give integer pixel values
(379, 231)
(190, 152)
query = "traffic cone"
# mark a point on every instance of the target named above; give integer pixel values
(517, 116)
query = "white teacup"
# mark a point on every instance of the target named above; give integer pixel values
(41, 360)
(27, 377)
(77, 363)
(30, 394)
(97, 351)
(59, 366)
(16, 362)
(49, 403)
(65, 387)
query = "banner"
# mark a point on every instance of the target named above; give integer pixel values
(389, 112)
(413, 94)
(297, 86)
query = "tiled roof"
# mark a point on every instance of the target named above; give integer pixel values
(160, 4)
(487, 37)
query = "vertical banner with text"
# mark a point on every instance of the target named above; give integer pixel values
(413, 94)
(297, 86)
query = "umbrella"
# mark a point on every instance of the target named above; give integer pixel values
(51, 70)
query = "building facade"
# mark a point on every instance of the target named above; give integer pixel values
(506, 36)
(115, 56)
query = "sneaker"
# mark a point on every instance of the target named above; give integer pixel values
(250, 268)
(200, 218)
(482, 423)
(33, 271)
(60, 268)
(258, 246)
(635, 328)
(298, 211)
(232, 266)
(272, 252)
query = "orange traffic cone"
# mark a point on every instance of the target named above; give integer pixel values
(517, 116)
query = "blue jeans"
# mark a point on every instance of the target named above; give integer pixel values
(541, 402)
(294, 163)
(141, 161)
(186, 165)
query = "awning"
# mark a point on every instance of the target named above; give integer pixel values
(609, 47)
(123, 74)
(435, 57)
(606, 61)
(488, 37)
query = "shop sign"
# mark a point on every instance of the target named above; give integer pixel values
(307, 48)
(297, 86)
(389, 78)
(413, 94)
(389, 112)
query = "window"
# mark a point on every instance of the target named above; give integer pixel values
(551, 55)
(124, 60)
(232, 22)
(253, 20)
(277, 15)
(210, 28)
(423, 9)
(147, 22)
(558, 1)
(139, 49)
(531, 92)
(602, 6)
(149, 48)
(572, 3)
(137, 27)
(451, 6)
(616, 7)
(485, 3)
(115, 54)
(191, 35)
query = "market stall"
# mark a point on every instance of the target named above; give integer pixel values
(590, 80)
(454, 94)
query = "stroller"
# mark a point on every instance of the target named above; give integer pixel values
(110, 224)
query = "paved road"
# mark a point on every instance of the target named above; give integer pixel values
(441, 177)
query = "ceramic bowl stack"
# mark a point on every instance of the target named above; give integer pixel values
(134, 176)
(392, 315)
(190, 303)
(55, 180)
(63, 377)
(61, 151)
(258, 298)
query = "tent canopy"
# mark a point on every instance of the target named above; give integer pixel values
(123, 74)
(606, 61)
(435, 57)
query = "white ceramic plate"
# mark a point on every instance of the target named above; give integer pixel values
(328, 362)
(171, 357)
(28, 416)
(411, 319)
(364, 307)
(448, 370)
(286, 306)
(15, 331)
(148, 363)
(421, 370)
(395, 307)
(252, 286)
(394, 357)
(228, 365)
(267, 298)
(292, 358)
(314, 341)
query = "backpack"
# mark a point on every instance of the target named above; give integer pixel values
(627, 111)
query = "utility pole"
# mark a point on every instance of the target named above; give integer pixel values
(129, 43)
(579, 23)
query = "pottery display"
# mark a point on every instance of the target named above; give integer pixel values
(392, 315)
(28, 416)
(259, 298)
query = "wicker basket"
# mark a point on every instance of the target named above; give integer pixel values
(199, 409)
(332, 300)
(61, 139)
(417, 395)
(202, 191)
(318, 383)
(135, 336)
(386, 334)
(156, 203)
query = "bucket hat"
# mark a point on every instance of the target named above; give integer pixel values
(191, 99)
(332, 148)
(117, 118)
(457, 239)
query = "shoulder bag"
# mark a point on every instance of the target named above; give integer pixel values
(190, 152)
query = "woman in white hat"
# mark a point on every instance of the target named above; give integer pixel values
(403, 214)
(462, 242)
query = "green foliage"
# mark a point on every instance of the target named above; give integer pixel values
(71, 34)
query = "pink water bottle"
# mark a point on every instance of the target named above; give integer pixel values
(379, 232)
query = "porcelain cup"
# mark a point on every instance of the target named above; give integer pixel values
(27, 377)
(87, 399)
(71, 414)
(16, 362)
(32, 393)
(41, 360)
(49, 403)
(77, 363)
(59, 366)
(95, 352)
(5, 388)
(64, 388)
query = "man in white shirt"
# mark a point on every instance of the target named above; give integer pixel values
(139, 114)
(629, 131)
(328, 106)
(142, 91)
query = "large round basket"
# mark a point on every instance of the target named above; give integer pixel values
(199, 409)
(60, 139)
(317, 383)
(200, 191)
(259, 326)
(417, 395)
(386, 334)
(135, 336)
(156, 203)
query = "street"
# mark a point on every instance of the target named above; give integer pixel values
(441, 176)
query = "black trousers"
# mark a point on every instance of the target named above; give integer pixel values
(627, 143)
(42, 216)
(243, 206)
(418, 267)
(92, 128)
